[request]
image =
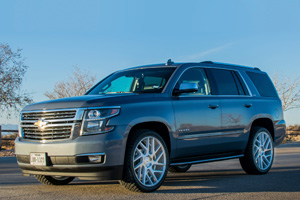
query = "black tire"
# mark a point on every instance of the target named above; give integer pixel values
(179, 168)
(249, 163)
(129, 179)
(54, 180)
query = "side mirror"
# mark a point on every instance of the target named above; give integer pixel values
(186, 88)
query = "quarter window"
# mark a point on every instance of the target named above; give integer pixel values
(263, 84)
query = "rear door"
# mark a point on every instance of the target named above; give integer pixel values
(236, 108)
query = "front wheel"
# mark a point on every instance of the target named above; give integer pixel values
(54, 180)
(146, 162)
(259, 154)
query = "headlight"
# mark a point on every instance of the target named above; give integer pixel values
(95, 120)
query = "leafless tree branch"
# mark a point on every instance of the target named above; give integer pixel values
(77, 85)
(288, 90)
(12, 71)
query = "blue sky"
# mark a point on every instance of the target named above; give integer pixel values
(104, 36)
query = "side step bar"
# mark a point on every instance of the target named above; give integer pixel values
(207, 160)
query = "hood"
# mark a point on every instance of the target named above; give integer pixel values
(82, 102)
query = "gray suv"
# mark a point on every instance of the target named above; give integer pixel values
(137, 124)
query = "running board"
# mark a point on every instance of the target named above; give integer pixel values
(207, 160)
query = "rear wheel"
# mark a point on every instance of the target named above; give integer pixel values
(259, 154)
(146, 162)
(179, 168)
(54, 180)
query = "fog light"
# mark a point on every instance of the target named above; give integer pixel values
(95, 158)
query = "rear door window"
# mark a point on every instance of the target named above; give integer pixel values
(225, 83)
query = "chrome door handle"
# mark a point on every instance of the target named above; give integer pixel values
(213, 106)
(247, 105)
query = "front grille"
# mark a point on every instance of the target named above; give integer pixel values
(48, 125)
(49, 115)
(48, 133)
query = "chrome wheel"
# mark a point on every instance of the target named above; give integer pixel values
(149, 161)
(263, 150)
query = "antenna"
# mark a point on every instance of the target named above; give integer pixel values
(169, 62)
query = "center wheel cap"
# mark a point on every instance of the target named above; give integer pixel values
(147, 161)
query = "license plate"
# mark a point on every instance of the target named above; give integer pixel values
(38, 159)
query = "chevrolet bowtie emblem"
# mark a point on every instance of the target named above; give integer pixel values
(41, 124)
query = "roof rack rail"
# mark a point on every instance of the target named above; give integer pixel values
(208, 62)
(256, 68)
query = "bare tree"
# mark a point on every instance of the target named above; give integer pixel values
(288, 90)
(12, 71)
(77, 85)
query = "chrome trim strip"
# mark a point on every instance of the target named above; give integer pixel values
(94, 154)
(49, 125)
(78, 115)
(171, 77)
(106, 107)
(91, 154)
(51, 120)
(250, 93)
(199, 135)
(207, 160)
(51, 110)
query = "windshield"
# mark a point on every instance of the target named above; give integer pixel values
(148, 80)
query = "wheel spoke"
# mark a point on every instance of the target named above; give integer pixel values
(138, 166)
(153, 175)
(139, 156)
(152, 146)
(257, 156)
(143, 146)
(139, 173)
(148, 145)
(144, 173)
(149, 179)
(267, 143)
(157, 171)
(158, 148)
(160, 155)
(266, 161)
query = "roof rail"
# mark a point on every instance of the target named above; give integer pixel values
(208, 62)
(256, 68)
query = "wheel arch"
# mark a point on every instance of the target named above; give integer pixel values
(157, 126)
(266, 123)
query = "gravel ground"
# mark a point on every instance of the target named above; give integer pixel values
(7, 153)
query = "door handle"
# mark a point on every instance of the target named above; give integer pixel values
(247, 105)
(213, 106)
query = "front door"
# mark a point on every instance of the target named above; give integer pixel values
(197, 115)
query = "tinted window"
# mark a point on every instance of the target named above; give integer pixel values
(263, 84)
(225, 83)
(238, 83)
(240, 80)
(195, 75)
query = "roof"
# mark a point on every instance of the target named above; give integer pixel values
(204, 63)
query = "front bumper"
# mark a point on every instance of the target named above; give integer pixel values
(64, 158)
